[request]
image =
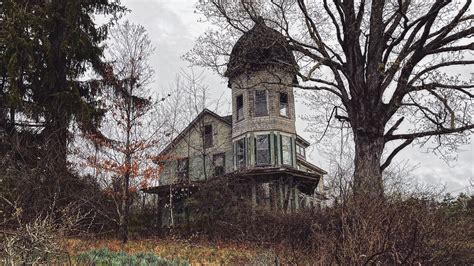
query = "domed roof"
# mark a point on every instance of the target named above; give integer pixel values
(259, 48)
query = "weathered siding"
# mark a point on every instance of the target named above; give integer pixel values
(246, 85)
(191, 146)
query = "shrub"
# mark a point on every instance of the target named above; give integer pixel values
(387, 231)
(38, 241)
(106, 257)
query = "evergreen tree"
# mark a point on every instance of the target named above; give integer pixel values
(47, 47)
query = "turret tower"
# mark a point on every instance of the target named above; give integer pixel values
(261, 70)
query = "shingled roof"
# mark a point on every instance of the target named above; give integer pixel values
(259, 48)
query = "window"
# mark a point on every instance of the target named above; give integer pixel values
(240, 107)
(300, 150)
(261, 103)
(207, 136)
(182, 169)
(218, 160)
(240, 153)
(286, 150)
(284, 104)
(262, 150)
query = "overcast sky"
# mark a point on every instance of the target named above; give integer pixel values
(173, 27)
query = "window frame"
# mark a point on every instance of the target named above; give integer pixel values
(268, 162)
(244, 153)
(287, 112)
(256, 102)
(214, 159)
(182, 174)
(290, 152)
(300, 150)
(207, 143)
(241, 116)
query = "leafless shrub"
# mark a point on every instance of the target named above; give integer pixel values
(39, 240)
(396, 230)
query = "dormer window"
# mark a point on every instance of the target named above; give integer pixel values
(284, 104)
(261, 103)
(240, 107)
(207, 135)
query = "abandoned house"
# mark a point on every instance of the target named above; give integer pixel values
(257, 144)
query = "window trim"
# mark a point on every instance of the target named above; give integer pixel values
(266, 103)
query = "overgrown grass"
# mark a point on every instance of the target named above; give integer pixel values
(198, 252)
(106, 257)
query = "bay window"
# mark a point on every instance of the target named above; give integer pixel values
(262, 150)
(240, 153)
(286, 150)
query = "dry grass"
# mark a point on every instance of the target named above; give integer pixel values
(195, 253)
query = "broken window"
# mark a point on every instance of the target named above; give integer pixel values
(207, 136)
(240, 153)
(286, 150)
(218, 160)
(240, 107)
(182, 169)
(284, 104)
(261, 103)
(262, 149)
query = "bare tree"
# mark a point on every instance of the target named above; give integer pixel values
(386, 63)
(129, 134)
(188, 98)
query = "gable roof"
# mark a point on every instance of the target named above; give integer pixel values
(226, 119)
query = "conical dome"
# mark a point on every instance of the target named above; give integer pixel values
(259, 48)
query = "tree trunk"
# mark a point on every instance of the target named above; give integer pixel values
(58, 104)
(123, 223)
(57, 140)
(367, 173)
(124, 215)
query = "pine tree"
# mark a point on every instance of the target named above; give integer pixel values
(47, 47)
